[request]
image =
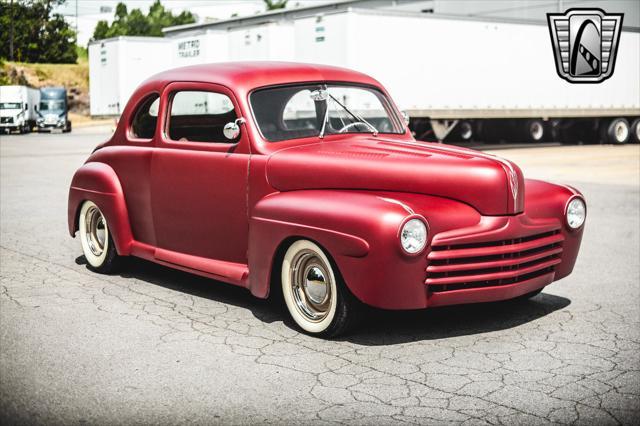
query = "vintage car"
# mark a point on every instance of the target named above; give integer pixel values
(304, 181)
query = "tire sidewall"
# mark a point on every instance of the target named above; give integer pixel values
(92, 259)
(287, 291)
(611, 131)
(635, 125)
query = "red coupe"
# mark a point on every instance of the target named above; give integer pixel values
(305, 179)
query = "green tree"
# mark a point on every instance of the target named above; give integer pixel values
(32, 33)
(136, 23)
(275, 4)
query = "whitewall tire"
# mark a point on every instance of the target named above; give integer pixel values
(97, 244)
(315, 297)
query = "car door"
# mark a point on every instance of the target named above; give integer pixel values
(199, 178)
(130, 158)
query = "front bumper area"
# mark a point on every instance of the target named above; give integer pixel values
(497, 259)
(44, 127)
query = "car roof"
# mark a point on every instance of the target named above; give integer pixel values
(246, 76)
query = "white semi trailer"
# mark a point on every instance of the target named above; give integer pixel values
(18, 108)
(464, 78)
(459, 79)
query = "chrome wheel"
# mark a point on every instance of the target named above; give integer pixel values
(96, 231)
(311, 290)
(97, 245)
(311, 285)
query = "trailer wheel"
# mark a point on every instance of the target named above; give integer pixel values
(534, 130)
(635, 131)
(617, 131)
(465, 130)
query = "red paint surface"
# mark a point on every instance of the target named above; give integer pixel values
(225, 210)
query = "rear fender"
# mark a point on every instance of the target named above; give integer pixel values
(99, 183)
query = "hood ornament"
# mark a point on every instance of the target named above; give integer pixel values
(513, 177)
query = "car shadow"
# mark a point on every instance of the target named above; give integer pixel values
(382, 327)
(377, 327)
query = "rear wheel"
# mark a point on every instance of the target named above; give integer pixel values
(465, 130)
(97, 244)
(313, 292)
(616, 131)
(534, 130)
(635, 131)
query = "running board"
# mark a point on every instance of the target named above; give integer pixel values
(233, 273)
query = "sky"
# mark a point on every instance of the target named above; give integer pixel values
(89, 12)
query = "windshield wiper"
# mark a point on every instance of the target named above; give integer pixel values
(354, 115)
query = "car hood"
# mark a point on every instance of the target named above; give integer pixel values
(490, 184)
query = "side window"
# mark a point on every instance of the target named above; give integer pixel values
(143, 125)
(198, 116)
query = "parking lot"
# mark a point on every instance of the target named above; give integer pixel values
(153, 345)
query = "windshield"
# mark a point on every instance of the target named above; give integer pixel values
(51, 105)
(10, 105)
(317, 110)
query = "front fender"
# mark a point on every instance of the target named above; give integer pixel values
(548, 200)
(99, 183)
(359, 229)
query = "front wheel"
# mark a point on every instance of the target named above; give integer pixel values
(97, 244)
(316, 298)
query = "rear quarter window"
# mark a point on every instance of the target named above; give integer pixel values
(145, 119)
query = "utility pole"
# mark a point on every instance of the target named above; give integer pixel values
(11, 34)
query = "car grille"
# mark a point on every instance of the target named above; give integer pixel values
(496, 263)
(6, 119)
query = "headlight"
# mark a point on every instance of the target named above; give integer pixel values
(576, 213)
(413, 236)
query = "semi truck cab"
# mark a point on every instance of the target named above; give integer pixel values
(53, 110)
(18, 108)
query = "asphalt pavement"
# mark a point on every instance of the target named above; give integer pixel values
(153, 345)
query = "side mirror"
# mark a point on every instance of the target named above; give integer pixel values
(232, 129)
(405, 117)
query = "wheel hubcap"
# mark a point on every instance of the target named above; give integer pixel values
(311, 285)
(96, 227)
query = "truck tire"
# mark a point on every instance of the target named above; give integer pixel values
(465, 130)
(615, 131)
(635, 131)
(534, 130)
(67, 127)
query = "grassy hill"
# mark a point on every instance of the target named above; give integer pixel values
(75, 77)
